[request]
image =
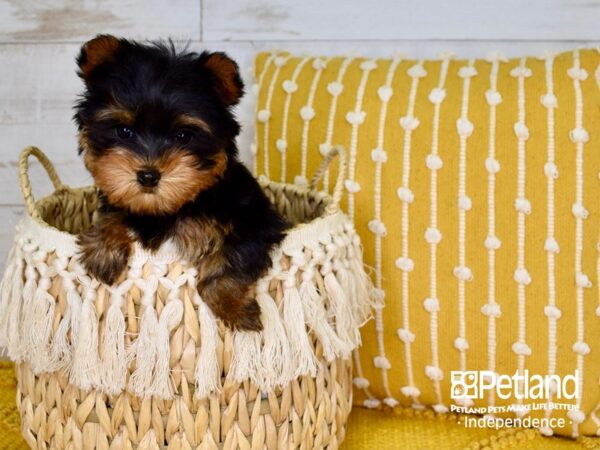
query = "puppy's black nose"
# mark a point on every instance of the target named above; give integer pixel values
(148, 178)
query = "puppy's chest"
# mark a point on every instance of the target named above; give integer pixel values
(195, 237)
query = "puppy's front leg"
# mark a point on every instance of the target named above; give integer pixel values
(105, 248)
(229, 295)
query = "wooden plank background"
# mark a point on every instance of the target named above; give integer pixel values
(39, 41)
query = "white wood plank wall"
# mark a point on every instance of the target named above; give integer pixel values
(39, 41)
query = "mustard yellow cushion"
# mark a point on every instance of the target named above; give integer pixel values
(404, 429)
(475, 188)
(10, 421)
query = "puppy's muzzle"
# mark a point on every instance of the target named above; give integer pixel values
(148, 178)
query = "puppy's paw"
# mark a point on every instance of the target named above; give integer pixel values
(106, 263)
(248, 318)
(229, 300)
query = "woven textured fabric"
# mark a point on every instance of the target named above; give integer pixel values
(474, 186)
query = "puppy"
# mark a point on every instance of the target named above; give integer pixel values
(156, 132)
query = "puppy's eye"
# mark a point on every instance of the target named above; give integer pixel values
(124, 132)
(183, 136)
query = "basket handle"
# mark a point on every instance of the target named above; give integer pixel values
(338, 189)
(25, 181)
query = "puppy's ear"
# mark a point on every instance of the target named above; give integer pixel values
(226, 75)
(95, 52)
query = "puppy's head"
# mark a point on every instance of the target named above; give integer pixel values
(155, 125)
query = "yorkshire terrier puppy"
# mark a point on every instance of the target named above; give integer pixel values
(156, 132)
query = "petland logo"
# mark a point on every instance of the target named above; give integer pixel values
(476, 384)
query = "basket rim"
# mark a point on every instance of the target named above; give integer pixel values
(308, 234)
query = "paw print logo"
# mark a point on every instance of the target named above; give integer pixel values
(464, 384)
(458, 391)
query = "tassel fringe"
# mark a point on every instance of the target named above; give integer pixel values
(85, 371)
(29, 290)
(348, 285)
(276, 355)
(341, 308)
(143, 352)
(303, 355)
(65, 336)
(332, 311)
(365, 299)
(207, 374)
(316, 317)
(14, 312)
(114, 360)
(40, 332)
(60, 354)
(6, 289)
(246, 362)
(170, 317)
(143, 349)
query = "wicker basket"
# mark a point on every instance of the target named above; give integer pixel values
(144, 364)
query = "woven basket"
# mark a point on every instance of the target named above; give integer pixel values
(144, 364)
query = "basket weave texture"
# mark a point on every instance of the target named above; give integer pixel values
(144, 363)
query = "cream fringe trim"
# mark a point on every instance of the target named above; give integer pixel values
(329, 313)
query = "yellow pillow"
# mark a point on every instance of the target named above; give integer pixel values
(475, 187)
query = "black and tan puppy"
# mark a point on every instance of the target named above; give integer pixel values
(157, 133)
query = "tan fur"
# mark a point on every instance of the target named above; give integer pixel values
(84, 144)
(200, 241)
(97, 51)
(198, 237)
(226, 71)
(105, 248)
(232, 300)
(182, 179)
(118, 114)
(187, 120)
